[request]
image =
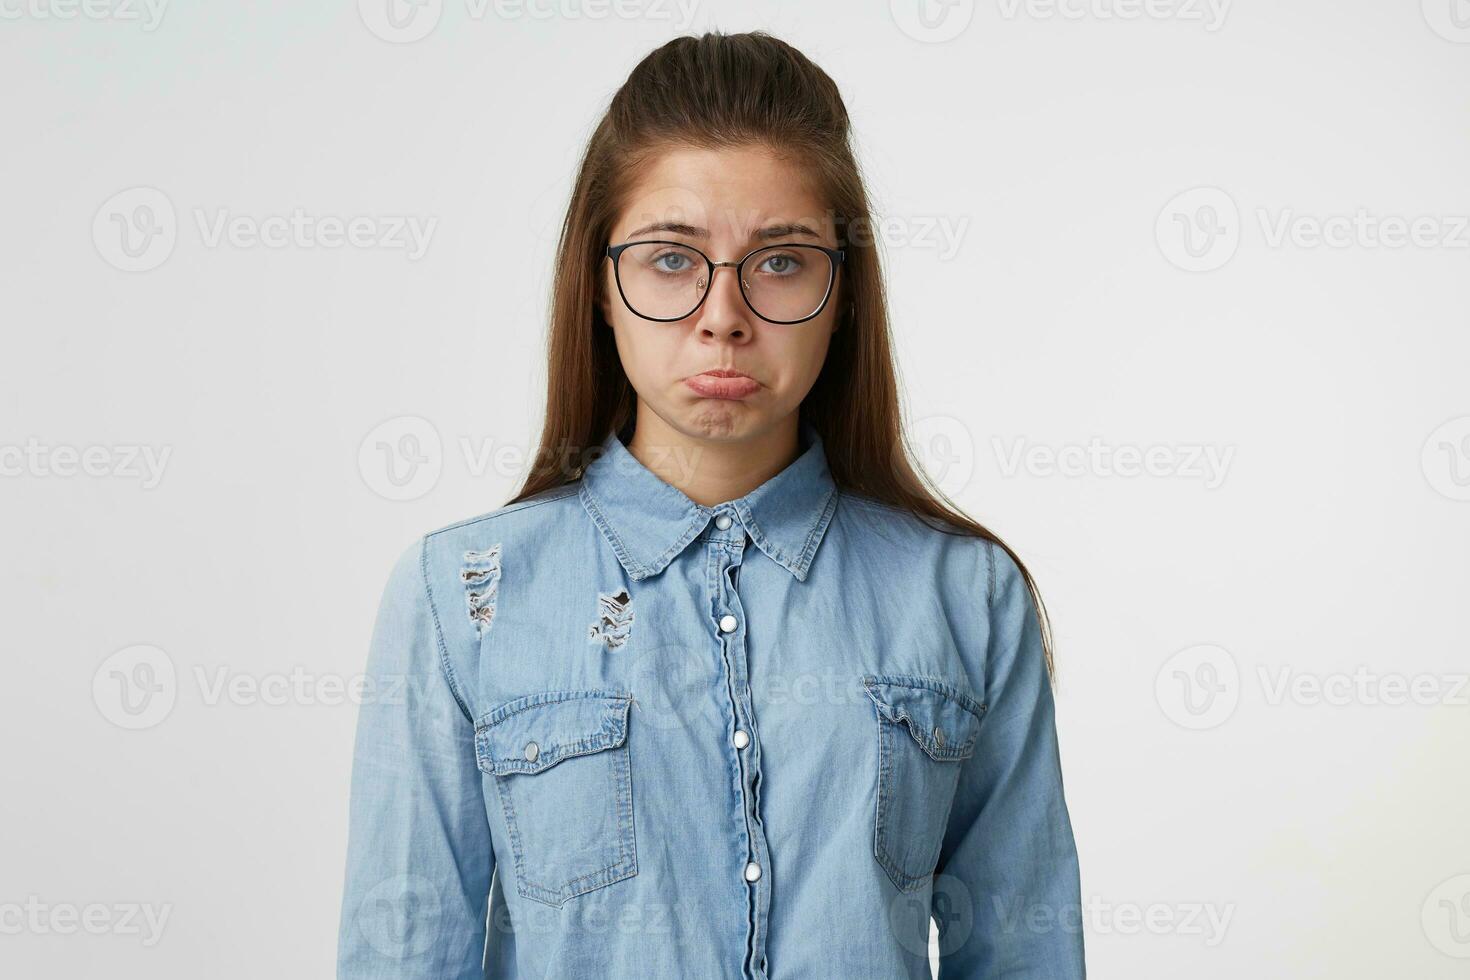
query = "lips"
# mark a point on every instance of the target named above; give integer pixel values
(722, 383)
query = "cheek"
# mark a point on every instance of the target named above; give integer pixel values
(647, 353)
(804, 352)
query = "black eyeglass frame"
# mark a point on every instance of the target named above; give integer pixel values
(834, 255)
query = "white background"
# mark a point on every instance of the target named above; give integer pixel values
(1029, 161)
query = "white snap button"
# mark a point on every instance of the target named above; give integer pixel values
(741, 739)
(722, 521)
(532, 751)
(727, 623)
(752, 871)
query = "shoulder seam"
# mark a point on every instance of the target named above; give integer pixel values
(445, 665)
(990, 570)
(559, 494)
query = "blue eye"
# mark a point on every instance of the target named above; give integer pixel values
(671, 262)
(783, 264)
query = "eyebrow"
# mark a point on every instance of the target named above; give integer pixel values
(767, 233)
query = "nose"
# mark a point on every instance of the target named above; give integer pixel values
(723, 312)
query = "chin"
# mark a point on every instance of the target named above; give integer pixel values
(720, 421)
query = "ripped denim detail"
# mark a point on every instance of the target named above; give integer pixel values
(614, 620)
(481, 578)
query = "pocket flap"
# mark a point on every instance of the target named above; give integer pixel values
(943, 719)
(534, 733)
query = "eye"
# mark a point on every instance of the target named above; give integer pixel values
(672, 262)
(781, 264)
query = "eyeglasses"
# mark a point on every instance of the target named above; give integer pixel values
(668, 281)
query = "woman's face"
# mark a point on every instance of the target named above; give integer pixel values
(725, 203)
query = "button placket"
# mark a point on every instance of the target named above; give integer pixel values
(726, 560)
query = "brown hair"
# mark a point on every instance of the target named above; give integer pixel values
(732, 90)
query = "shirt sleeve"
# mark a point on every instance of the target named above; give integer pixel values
(1007, 895)
(419, 857)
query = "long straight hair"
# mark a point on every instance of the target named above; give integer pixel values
(729, 91)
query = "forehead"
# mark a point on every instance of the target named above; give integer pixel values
(731, 192)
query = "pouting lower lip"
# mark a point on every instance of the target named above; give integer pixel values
(714, 386)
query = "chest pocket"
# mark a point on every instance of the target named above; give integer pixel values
(561, 768)
(926, 729)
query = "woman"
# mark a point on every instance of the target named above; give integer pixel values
(725, 691)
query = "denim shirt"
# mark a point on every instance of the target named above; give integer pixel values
(609, 732)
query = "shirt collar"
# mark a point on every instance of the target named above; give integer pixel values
(648, 522)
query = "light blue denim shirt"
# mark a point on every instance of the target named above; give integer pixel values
(768, 738)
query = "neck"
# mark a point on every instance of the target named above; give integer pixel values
(712, 471)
